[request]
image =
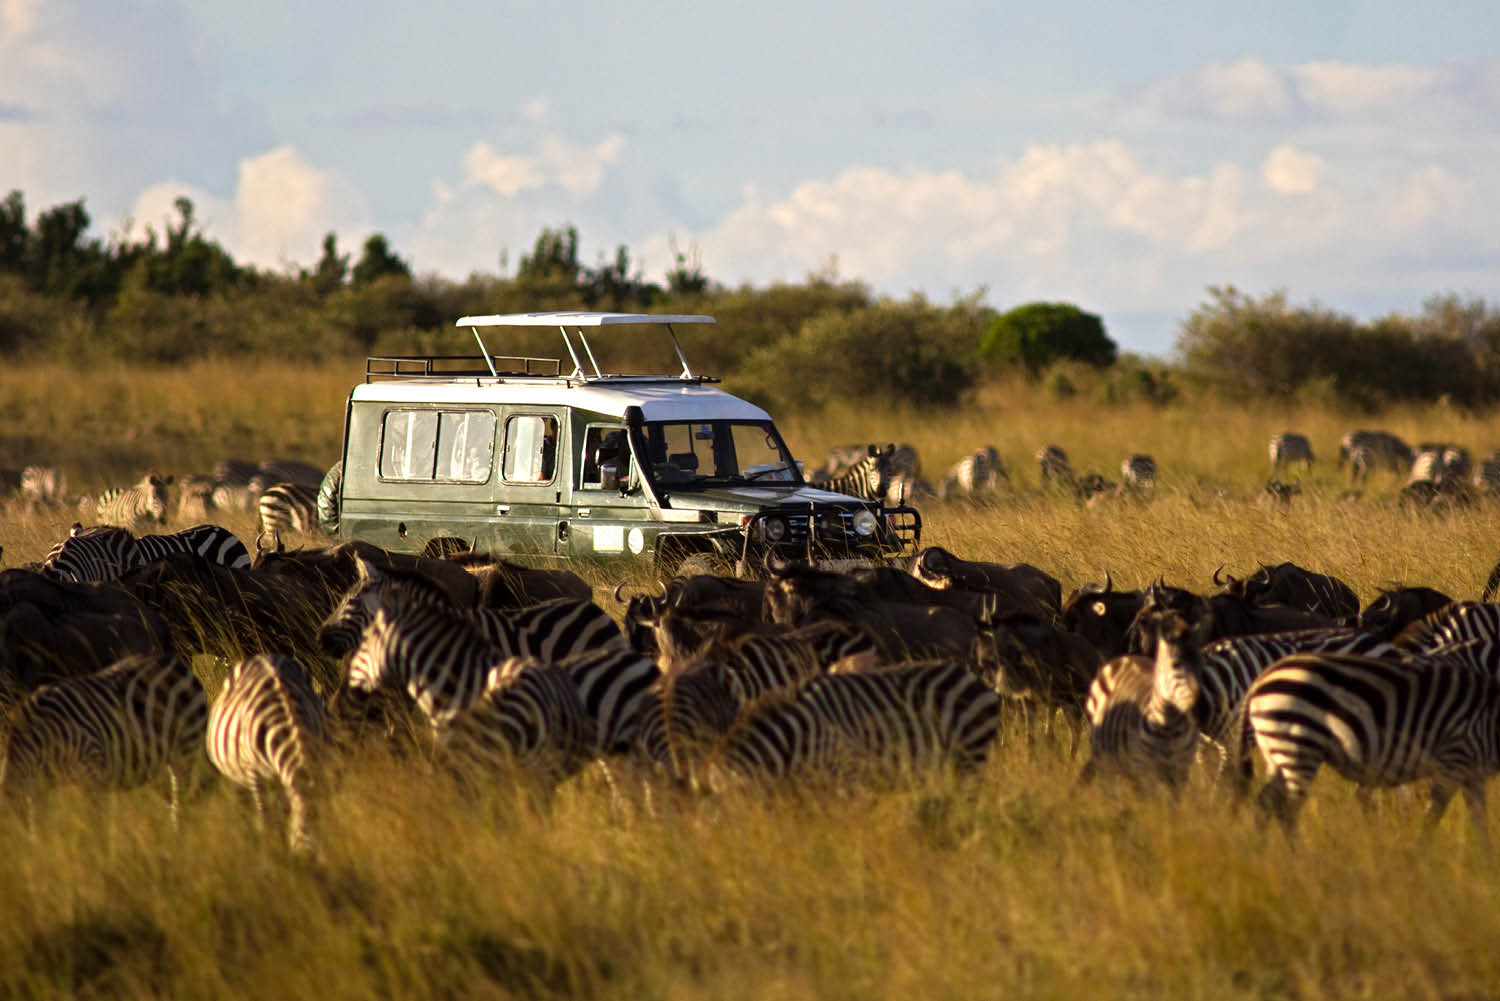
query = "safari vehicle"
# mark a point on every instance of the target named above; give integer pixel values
(520, 457)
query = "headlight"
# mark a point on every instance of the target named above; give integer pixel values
(773, 529)
(864, 521)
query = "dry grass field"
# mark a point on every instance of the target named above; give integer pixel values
(1009, 883)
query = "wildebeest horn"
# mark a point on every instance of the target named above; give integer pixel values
(777, 565)
(933, 560)
(618, 588)
(1109, 584)
(1217, 571)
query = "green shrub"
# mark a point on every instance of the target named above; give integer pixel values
(907, 353)
(1040, 333)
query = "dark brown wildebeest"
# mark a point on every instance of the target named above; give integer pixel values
(1396, 608)
(1290, 585)
(1021, 587)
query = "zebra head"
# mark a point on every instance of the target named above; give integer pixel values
(341, 631)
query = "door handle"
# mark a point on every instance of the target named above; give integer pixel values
(502, 508)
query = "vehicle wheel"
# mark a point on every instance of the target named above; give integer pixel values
(712, 564)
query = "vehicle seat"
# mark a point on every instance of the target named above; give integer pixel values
(686, 461)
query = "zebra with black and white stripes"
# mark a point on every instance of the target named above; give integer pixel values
(118, 728)
(142, 503)
(1140, 710)
(1466, 632)
(288, 507)
(894, 720)
(268, 726)
(979, 473)
(108, 552)
(1289, 448)
(551, 631)
(530, 715)
(1378, 722)
(869, 478)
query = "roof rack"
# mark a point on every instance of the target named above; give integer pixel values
(578, 321)
(450, 367)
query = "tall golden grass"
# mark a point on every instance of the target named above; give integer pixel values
(1012, 882)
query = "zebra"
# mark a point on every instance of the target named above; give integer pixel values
(1486, 475)
(1231, 665)
(43, 486)
(1289, 447)
(1140, 709)
(976, 474)
(107, 552)
(145, 502)
(1365, 450)
(1378, 722)
(120, 727)
(528, 714)
(703, 699)
(1467, 632)
(1053, 463)
(549, 630)
(288, 507)
(894, 719)
(457, 648)
(1139, 473)
(268, 725)
(869, 478)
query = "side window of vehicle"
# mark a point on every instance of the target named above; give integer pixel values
(530, 448)
(466, 446)
(438, 445)
(606, 458)
(409, 445)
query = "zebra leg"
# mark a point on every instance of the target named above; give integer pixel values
(257, 797)
(1474, 800)
(1281, 800)
(299, 822)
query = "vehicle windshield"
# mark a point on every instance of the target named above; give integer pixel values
(710, 453)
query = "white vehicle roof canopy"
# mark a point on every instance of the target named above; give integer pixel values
(577, 321)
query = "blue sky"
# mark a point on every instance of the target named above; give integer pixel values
(1121, 157)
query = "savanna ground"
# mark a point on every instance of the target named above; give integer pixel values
(1009, 883)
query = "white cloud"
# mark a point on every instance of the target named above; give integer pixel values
(557, 162)
(1251, 90)
(1097, 225)
(278, 215)
(1289, 171)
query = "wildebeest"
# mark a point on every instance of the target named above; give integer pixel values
(1398, 607)
(1290, 585)
(1021, 587)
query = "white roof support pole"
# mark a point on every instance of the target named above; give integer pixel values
(488, 361)
(687, 373)
(588, 351)
(577, 365)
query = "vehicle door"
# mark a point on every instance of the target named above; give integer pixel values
(527, 509)
(607, 513)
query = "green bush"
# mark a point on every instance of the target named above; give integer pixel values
(889, 354)
(1040, 333)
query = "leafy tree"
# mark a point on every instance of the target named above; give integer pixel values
(612, 285)
(189, 264)
(13, 235)
(1039, 333)
(378, 261)
(553, 259)
(332, 269)
(686, 275)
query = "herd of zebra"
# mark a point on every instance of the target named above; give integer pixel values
(502, 673)
(1432, 473)
(282, 493)
(893, 475)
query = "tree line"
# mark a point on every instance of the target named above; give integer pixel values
(166, 297)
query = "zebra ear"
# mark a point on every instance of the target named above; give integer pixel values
(77, 527)
(365, 568)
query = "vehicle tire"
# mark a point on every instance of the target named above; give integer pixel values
(712, 564)
(330, 497)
